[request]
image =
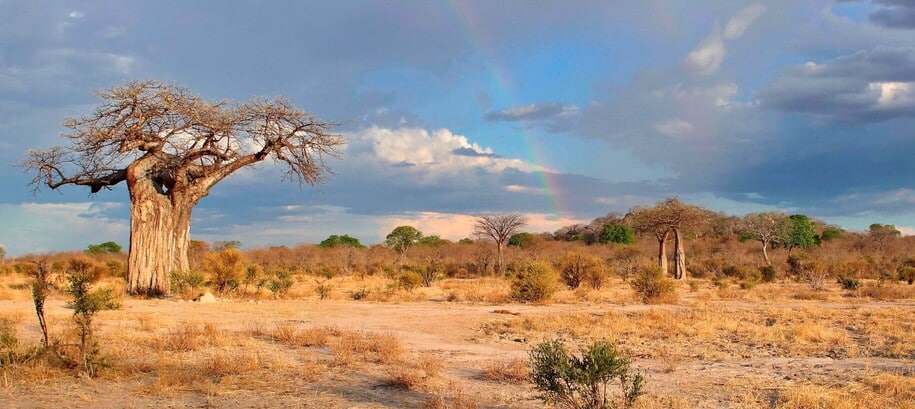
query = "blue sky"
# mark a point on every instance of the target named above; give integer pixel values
(561, 110)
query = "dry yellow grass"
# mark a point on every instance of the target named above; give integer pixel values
(436, 347)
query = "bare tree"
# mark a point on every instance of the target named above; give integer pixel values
(499, 228)
(172, 147)
(767, 228)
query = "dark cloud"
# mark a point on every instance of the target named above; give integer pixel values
(532, 112)
(894, 14)
(871, 85)
(474, 152)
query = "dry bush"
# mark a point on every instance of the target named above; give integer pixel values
(188, 336)
(653, 287)
(886, 291)
(220, 364)
(514, 371)
(415, 372)
(451, 398)
(534, 281)
(374, 348)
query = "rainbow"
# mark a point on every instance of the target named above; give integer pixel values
(504, 87)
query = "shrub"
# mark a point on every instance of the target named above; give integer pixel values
(86, 304)
(409, 280)
(323, 290)
(280, 284)
(226, 268)
(534, 281)
(736, 271)
(849, 283)
(576, 268)
(522, 240)
(570, 381)
(907, 274)
(360, 294)
(186, 284)
(653, 287)
(767, 273)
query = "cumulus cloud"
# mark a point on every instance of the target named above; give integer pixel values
(707, 56)
(870, 85)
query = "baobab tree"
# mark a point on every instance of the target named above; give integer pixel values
(499, 228)
(768, 228)
(670, 215)
(171, 147)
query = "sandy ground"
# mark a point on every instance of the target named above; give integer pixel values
(450, 331)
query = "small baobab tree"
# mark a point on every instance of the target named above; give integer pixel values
(768, 228)
(171, 147)
(499, 228)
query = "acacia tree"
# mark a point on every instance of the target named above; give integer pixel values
(401, 238)
(768, 228)
(499, 228)
(171, 147)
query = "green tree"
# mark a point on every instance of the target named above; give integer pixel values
(466, 240)
(432, 241)
(522, 240)
(2, 253)
(345, 240)
(801, 232)
(831, 233)
(616, 233)
(401, 238)
(108, 247)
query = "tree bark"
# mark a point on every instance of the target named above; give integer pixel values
(159, 233)
(662, 251)
(766, 253)
(501, 260)
(679, 256)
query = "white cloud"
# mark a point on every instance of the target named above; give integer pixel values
(893, 95)
(674, 128)
(707, 56)
(741, 21)
(428, 157)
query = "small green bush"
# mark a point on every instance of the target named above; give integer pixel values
(600, 378)
(186, 284)
(534, 281)
(280, 284)
(653, 287)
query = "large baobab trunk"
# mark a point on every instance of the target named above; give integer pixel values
(679, 256)
(159, 237)
(662, 251)
(159, 234)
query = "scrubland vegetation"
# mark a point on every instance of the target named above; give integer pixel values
(824, 318)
